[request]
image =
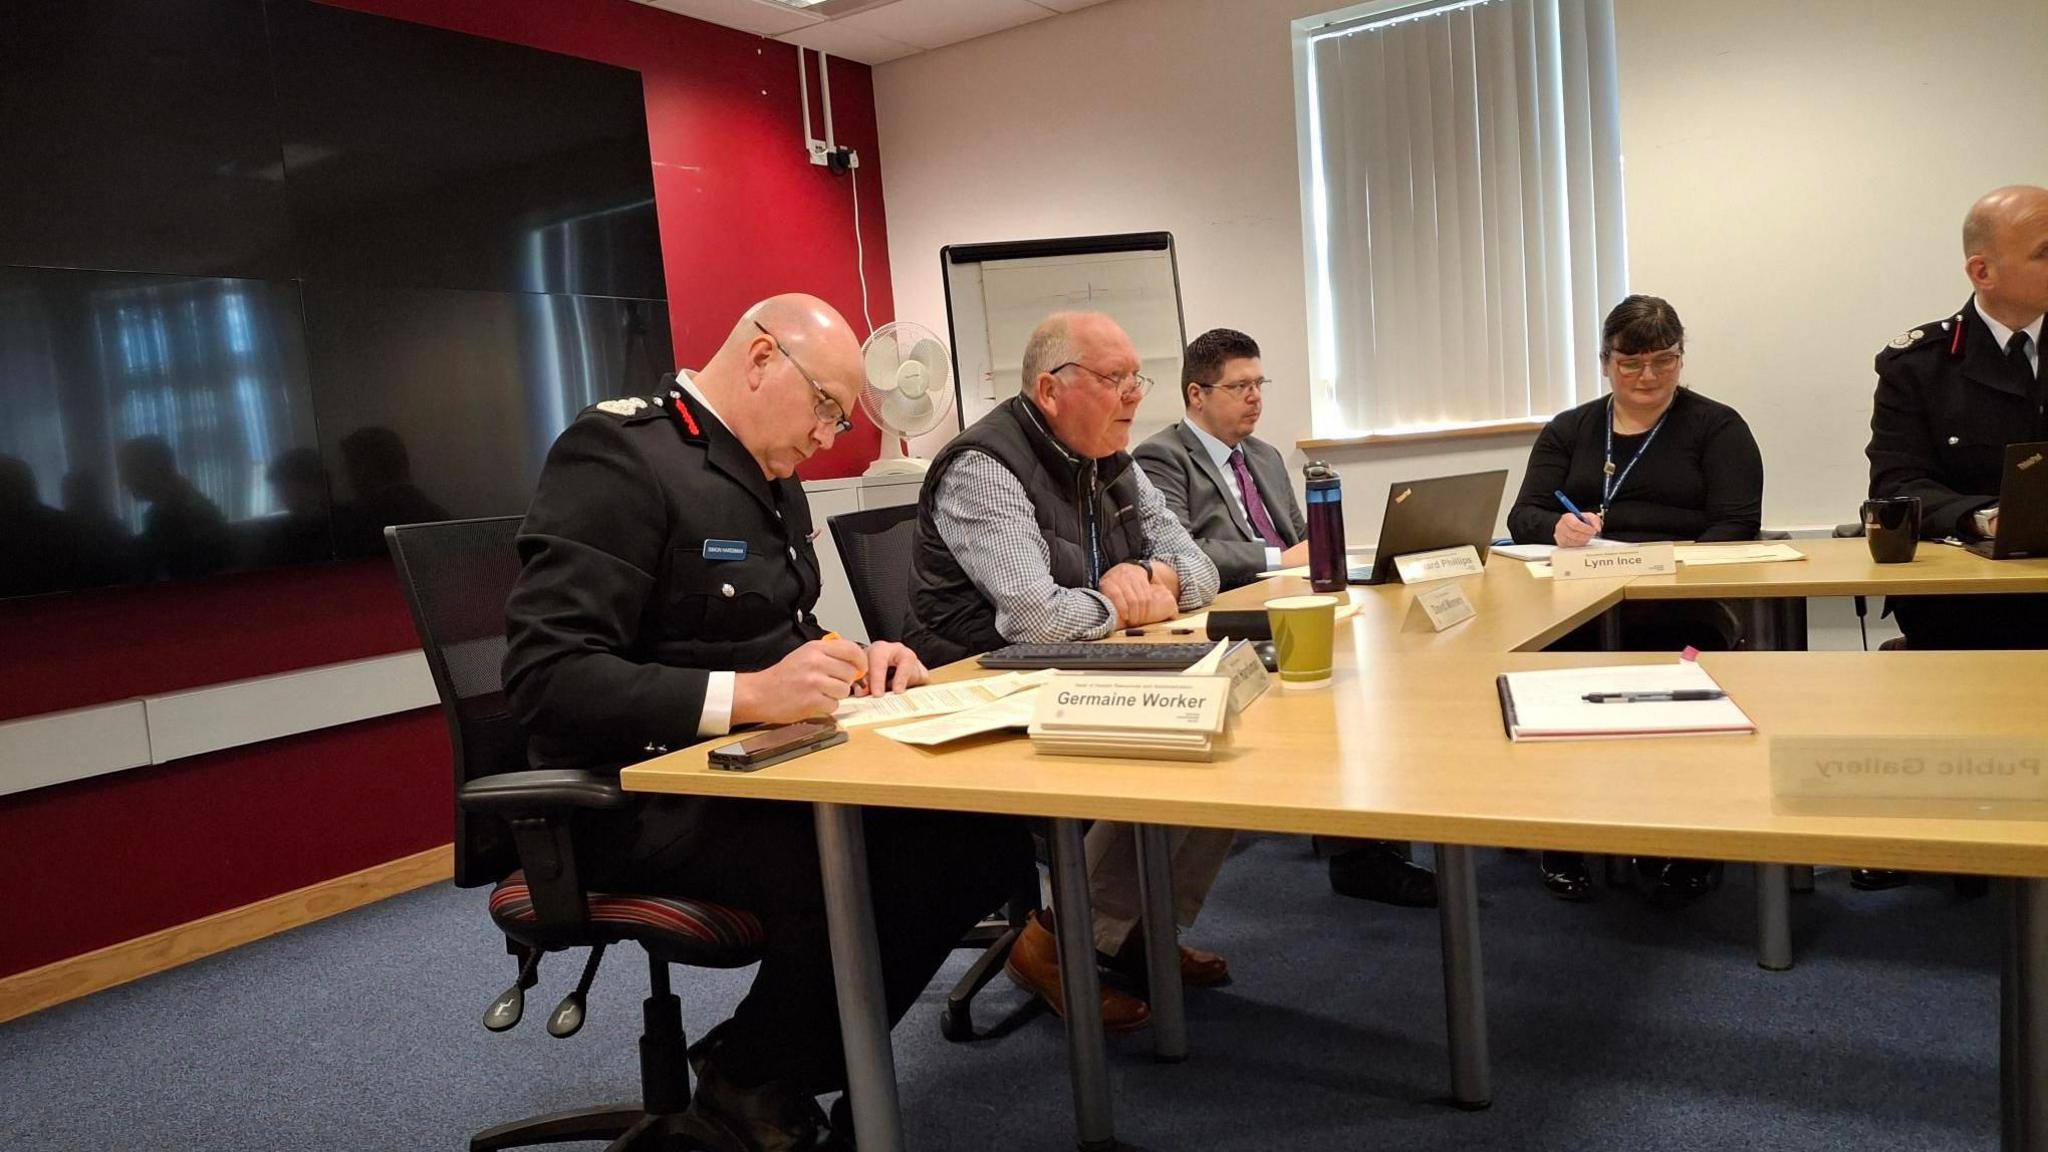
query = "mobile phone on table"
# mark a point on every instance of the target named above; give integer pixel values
(774, 745)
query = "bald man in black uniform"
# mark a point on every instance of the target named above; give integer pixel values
(1951, 394)
(665, 598)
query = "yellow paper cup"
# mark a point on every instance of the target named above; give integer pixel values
(1304, 632)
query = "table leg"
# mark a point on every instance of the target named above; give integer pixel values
(2023, 1020)
(1774, 917)
(1081, 988)
(1162, 943)
(1464, 976)
(857, 975)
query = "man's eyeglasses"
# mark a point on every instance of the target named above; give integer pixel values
(1131, 384)
(827, 409)
(1664, 362)
(1238, 388)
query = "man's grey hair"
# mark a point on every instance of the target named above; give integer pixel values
(1050, 346)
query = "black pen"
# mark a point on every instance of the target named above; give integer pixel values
(1681, 696)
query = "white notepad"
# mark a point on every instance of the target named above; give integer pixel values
(1551, 704)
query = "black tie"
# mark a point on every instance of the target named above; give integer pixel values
(2016, 353)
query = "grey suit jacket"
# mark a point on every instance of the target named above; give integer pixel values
(1195, 490)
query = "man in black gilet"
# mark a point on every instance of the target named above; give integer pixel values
(1035, 526)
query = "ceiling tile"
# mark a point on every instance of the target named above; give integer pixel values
(835, 37)
(937, 23)
(758, 16)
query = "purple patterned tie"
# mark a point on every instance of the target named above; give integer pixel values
(1254, 503)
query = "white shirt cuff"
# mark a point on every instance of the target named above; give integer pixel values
(1272, 559)
(717, 717)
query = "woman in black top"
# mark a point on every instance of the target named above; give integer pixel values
(1651, 460)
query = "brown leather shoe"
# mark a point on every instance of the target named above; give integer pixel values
(1035, 967)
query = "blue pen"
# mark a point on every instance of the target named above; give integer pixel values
(1571, 507)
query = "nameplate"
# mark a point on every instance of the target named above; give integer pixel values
(1634, 560)
(1445, 606)
(1442, 564)
(1133, 703)
(1247, 675)
(1932, 776)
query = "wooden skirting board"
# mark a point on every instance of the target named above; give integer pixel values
(116, 964)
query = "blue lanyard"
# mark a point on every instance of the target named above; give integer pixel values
(1609, 482)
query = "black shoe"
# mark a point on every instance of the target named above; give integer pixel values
(778, 1116)
(842, 1125)
(1376, 871)
(1877, 879)
(1564, 873)
(1681, 881)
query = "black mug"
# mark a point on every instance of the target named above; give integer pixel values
(1892, 526)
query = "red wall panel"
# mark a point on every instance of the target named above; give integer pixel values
(743, 215)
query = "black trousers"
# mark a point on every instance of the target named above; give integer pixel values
(933, 876)
(1971, 622)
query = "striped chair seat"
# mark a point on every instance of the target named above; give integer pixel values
(707, 935)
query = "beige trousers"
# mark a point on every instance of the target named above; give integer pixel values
(1197, 853)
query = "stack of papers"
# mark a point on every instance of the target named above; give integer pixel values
(1152, 718)
(1012, 711)
(1552, 704)
(934, 699)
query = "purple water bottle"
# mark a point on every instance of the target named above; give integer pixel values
(1326, 562)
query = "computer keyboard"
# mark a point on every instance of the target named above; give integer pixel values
(1085, 657)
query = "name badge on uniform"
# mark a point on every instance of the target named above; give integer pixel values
(725, 549)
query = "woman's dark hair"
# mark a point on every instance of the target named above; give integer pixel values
(1641, 324)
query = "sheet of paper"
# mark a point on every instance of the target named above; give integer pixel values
(1353, 557)
(1012, 711)
(933, 699)
(1773, 553)
(1524, 551)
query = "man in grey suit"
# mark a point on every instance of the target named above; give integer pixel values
(1228, 486)
(1233, 492)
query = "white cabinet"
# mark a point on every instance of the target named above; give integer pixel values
(836, 609)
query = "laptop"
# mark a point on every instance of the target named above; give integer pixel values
(1444, 512)
(2022, 506)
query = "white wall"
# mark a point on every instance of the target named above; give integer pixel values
(1797, 175)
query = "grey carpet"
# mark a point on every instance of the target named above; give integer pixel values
(1614, 1027)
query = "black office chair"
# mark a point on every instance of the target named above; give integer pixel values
(874, 545)
(514, 830)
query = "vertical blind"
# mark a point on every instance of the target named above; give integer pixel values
(1466, 212)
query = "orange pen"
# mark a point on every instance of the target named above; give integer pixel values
(860, 666)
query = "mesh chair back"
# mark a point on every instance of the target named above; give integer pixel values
(457, 575)
(874, 545)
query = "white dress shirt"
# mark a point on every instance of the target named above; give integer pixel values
(1220, 453)
(2004, 335)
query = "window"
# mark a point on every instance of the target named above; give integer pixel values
(1463, 204)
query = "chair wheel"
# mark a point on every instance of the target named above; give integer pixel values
(567, 1019)
(956, 1026)
(505, 1011)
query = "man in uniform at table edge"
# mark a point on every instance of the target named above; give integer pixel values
(1034, 526)
(1951, 394)
(665, 597)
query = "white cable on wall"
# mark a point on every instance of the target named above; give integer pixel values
(860, 254)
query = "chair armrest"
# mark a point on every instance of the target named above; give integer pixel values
(514, 793)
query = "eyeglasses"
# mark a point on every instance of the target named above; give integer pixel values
(1135, 383)
(1664, 362)
(1238, 388)
(827, 409)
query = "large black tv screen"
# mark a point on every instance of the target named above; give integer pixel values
(275, 274)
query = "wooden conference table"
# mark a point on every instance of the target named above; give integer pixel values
(1406, 744)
